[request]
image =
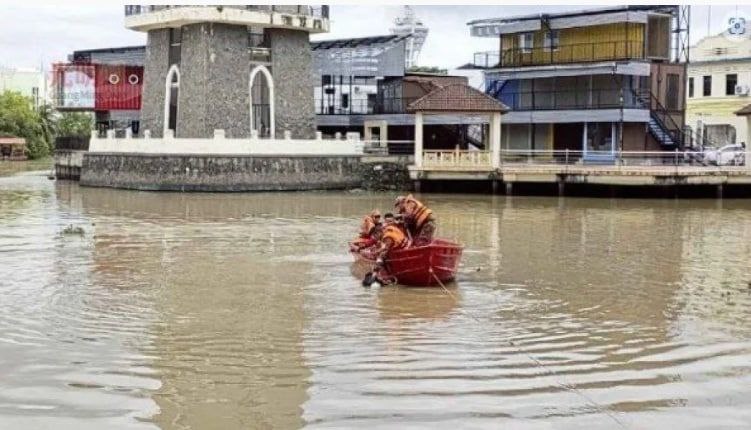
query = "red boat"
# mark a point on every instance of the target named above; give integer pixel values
(420, 265)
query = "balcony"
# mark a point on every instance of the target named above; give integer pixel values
(562, 54)
(313, 19)
(396, 105)
(571, 99)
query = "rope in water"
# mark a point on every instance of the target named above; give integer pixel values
(560, 383)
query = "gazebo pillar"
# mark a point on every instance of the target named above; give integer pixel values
(495, 140)
(418, 139)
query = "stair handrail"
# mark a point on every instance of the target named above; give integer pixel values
(662, 116)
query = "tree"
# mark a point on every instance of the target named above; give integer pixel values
(17, 118)
(74, 124)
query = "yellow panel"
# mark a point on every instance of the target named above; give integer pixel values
(593, 43)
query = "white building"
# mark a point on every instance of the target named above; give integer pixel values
(27, 81)
(719, 83)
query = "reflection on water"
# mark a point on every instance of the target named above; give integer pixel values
(241, 311)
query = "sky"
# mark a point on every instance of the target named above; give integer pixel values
(32, 34)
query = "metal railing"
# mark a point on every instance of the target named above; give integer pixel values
(614, 158)
(390, 147)
(333, 106)
(472, 160)
(562, 54)
(486, 59)
(662, 115)
(305, 10)
(77, 143)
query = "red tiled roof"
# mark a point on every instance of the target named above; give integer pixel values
(457, 98)
(8, 140)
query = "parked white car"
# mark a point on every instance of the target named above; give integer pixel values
(728, 155)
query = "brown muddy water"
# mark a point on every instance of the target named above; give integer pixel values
(225, 311)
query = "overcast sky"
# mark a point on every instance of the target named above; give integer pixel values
(34, 34)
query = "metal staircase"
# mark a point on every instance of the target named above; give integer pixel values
(661, 125)
(494, 88)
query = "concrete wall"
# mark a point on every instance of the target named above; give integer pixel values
(154, 75)
(68, 163)
(214, 81)
(214, 75)
(220, 173)
(243, 173)
(291, 67)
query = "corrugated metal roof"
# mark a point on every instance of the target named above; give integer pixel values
(356, 42)
(584, 12)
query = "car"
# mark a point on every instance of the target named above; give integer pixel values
(728, 155)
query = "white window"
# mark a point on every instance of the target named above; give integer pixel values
(526, 42)
(551, 41)
(171, 97)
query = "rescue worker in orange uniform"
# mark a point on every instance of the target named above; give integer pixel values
(370, 230)
(392, 237)
(418, 218)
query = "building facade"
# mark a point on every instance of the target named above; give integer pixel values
(27, 81)
(719, 83)
(105, 82)
(593, 82)
(240, 68)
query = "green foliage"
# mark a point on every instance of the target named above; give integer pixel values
(75, 124)
(423, 69)
(18, 118)
(39, 127)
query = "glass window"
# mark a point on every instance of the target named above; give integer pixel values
(730, 82)
(690, 87)
(706, 86)
(526, 42)
(345, 101)
(552, 40)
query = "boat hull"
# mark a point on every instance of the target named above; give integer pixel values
(428, 265)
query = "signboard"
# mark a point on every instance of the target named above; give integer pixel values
(78, 87)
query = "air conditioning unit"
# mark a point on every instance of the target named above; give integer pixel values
(741, 90)
(357, 90)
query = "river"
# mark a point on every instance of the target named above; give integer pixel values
(224, 311)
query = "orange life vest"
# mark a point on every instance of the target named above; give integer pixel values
(419, 214)
(367, 226)
(396, 236)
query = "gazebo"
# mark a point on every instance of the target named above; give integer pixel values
(12, 147)
(458, 99)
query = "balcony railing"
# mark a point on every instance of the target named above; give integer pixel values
(562, 54)
(332, 106)
(456, 159)
(571, 99)
(306, 10)
(487, 59)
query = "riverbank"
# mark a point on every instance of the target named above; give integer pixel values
(9, 168)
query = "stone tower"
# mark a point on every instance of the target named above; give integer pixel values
(239, 68)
